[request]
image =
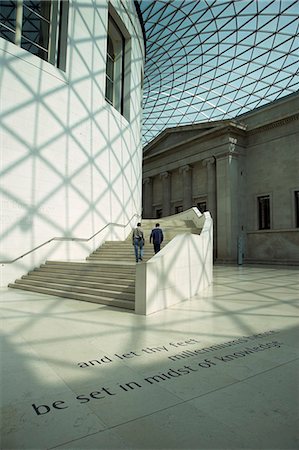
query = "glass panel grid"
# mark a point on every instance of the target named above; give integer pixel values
(213, 60)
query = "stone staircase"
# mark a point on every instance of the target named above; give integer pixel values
(108, 274)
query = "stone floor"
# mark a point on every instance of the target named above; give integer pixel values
(219, 371)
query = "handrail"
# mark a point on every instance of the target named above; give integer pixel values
(69, 239)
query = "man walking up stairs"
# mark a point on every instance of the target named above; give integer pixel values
(138, 242)
(100, 279)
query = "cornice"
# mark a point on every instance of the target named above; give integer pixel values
(181, 128)
(274, 124)
(228, 127)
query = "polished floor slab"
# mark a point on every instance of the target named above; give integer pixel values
(219, 371)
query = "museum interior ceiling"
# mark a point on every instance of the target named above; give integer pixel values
(210, 60)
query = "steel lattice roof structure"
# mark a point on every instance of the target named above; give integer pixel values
(216, 59)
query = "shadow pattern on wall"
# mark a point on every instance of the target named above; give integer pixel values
(71, 164)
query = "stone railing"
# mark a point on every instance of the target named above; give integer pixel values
(182, 269)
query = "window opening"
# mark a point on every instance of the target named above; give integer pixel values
(159, 213)
(8, 12)
(38, 27)
(115, 66)
(297, 208)
(202, 206)
(110, 71)
(264, 212)
(178, 209)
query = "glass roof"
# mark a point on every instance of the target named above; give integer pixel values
(216, 59)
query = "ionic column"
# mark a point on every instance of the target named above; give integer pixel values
(147, 198)
(187, 186)
(210, 164)
(165, 176)
(227, 167)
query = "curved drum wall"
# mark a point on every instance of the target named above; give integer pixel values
(71, 163)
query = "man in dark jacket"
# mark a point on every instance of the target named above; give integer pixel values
(138, 242)
(157, 237)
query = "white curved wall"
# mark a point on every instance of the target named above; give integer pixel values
(71, 164)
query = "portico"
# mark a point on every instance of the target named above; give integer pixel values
(214, 166)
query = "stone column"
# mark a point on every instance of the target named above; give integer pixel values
(147, 198)
(210, 164)
(165, 176)
(227, 166)
(187, 186)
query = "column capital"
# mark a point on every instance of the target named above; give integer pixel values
(232, 144)
(164, 175)
(185, 168)
(232, 150)
(147, 180)
(208, 161)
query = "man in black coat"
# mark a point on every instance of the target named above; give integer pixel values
(157, 237)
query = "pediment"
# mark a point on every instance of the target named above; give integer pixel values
(177, 136)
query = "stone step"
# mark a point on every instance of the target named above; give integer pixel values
(124, 258)
(119, 303)
(121, 256)
(148, 247)
(107, 293)
(169, 231)
(36, 274)
(114, 252)
(82, 265)
(128, 286)
(56, 271)
(169, 222)
(92, 267)
(127, 253)
(107, 276)
(126, 244)
(100, 257)
(110, 258)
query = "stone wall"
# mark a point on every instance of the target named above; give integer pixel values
(229, 164)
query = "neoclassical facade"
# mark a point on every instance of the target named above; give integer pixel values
(244, 171)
